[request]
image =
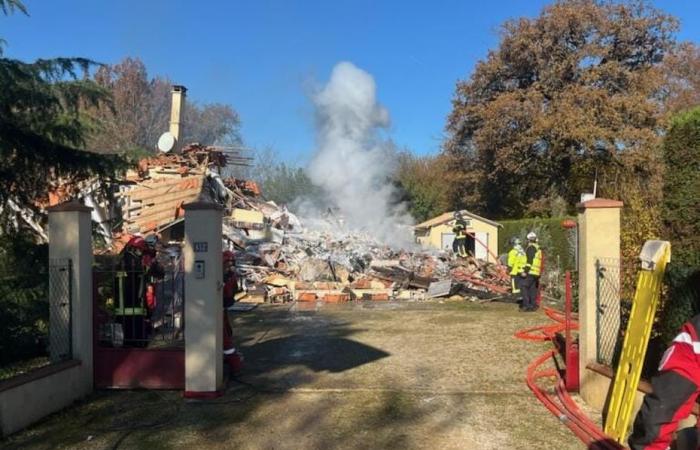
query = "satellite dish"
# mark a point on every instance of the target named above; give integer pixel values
(166, 142)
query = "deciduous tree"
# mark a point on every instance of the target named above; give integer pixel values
(573, 90)
(139, 112)
(284, 183)
(424, 185)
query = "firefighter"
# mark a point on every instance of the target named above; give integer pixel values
(232, 358)
(460, 231)
(530, 273)
(516, 262)
(139, 272)
(153, 271)
(675, 389)
(230, 279)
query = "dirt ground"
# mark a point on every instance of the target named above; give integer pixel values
(431, 375)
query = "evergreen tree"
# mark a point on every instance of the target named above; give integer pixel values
(41, 129)
(681, 191)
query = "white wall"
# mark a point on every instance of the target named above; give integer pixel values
(24, 403)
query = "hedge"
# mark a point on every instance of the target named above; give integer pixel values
(681, 192)
(552, 236)
(24, 308)
(681, 216)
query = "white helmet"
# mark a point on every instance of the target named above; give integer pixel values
(531, 236)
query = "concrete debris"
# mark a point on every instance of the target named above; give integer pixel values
(439, 289)
(317, 260)
(155, 191)
(280, 257)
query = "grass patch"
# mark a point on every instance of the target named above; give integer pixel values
(22, 367)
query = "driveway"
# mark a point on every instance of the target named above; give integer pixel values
(428, 375)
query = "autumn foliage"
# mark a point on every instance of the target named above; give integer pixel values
(137, 112)
(567, 93)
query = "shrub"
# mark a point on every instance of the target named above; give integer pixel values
(553, 238)
(681, 214)
(681, 220)
(23, 299)
(682, 300)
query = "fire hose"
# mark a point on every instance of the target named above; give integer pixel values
(560, 402)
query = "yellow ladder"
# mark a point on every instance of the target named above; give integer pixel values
(654, 257)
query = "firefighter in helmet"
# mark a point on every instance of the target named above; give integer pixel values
(460, 231)
(516, 261)
(137, 280)
(530, 273)
(232, 357)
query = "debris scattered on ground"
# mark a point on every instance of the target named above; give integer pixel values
(281, 257)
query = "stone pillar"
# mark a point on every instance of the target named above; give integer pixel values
(203, 300)
(599, 237)
(70, 239)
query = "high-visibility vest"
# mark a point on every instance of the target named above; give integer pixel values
(536, 266)
(516, 260)
(460, 229)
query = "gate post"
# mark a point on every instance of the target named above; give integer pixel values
(70, 238)
(599, 237)
(203, 300)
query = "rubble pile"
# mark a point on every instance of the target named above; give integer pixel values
(154, 191)
(282, 258)
(193, 159)
(279, 256)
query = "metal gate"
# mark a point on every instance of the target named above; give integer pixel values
(139, 326)
(612, 310)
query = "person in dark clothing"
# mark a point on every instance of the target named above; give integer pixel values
(530, 275)
(675, 389)
(232, 357)
(460, 231)
(136, 288)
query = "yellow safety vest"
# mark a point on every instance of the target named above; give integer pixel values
(536, 266)
(516, 261)
(460, 230)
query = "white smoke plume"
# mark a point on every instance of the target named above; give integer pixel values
(353, 162)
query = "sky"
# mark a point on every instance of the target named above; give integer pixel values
(265, 58)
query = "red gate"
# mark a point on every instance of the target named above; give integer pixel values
(138, 326)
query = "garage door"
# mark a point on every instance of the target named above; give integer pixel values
(446, 242)
(481, 250)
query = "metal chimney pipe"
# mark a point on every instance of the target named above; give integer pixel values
(176, 110)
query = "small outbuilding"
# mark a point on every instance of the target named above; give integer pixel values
(482, 234)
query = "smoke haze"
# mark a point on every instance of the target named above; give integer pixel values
(353, 163)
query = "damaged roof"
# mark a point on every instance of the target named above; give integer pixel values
(448, 216)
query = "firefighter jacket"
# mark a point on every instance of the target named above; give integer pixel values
(460, 229)
(533, 263)
(230, 288)
(675, 390)
(516, 260)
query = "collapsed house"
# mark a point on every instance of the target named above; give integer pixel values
(279, 256)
